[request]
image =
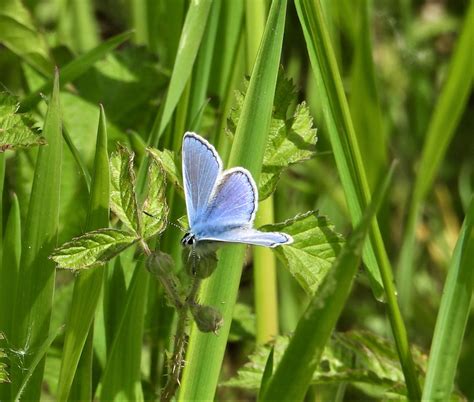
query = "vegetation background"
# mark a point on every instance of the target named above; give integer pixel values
(379, 80)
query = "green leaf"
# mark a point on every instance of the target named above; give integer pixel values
(3, 364)
(453, 315)
(360, 358)
(189, 42)
(88, 285)
(93, 249)
(10, 266)
(155, 202)
(77, 67)
(34, 295)
(17, 130)
(19, 34)
(243, 323)
(168, 161)
(123, 199)
(315, 247)
(119, 384)
(445, 118)
(291, 139)
(38, 357)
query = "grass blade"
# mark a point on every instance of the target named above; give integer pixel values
(191, 35)
(295, 371)
(10, 265)
(352, 173)
(88, 285)
(77, 67)
(452, 316)
(364, 103)
(34, 296)
(206, 351)
(119, 384)
(442, 127)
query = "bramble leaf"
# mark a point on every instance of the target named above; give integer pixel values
(123, 198)
(167, 159)
(315, 247)
(361, 358)
(291, 139)
(17, 130)
(93, 249)
(155, 206)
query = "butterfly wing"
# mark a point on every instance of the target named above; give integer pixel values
(252, 236)
(201, 168)
(233, 204)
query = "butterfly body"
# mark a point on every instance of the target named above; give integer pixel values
(221, 205)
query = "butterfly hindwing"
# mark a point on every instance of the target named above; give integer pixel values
(252, 236)
(233, 203)
(202, 167)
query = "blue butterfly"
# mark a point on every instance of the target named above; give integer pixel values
(221, 205)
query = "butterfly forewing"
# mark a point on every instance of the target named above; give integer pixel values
(201, 169)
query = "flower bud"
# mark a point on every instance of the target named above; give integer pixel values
(159, 263)
(200, 266)
(207, 318)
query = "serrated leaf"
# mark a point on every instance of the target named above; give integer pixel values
(315, 247)
(167, 159)
(291, 139)
(357, 357)
(243, 323)
(155, 206)
(123, 199)
(93, 248)
(17, 130)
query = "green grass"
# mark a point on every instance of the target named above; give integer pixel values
(373, 300)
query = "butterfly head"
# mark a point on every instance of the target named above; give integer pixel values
(189, 239)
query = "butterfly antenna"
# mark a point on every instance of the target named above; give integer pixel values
(178, 226)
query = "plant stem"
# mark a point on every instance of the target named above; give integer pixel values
(180, 341)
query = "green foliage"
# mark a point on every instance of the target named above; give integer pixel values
(123, 198)
(3, 364)
(18, 130)
(316, 245)
(291, 137)
(380, 80)
(170, 165)
(36, 278)
(93, 249)
(359, 358)
(19, 34)
(155, 209)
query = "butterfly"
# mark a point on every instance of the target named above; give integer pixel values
(221, 204)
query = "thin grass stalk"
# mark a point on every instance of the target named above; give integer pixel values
(265, 282)
(264, 260)
(206, 351)
(442, 127)
(352, 172)
(84, 26)
(88, 284)
(452, 318)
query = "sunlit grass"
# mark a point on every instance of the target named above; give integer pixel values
(370, 83)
